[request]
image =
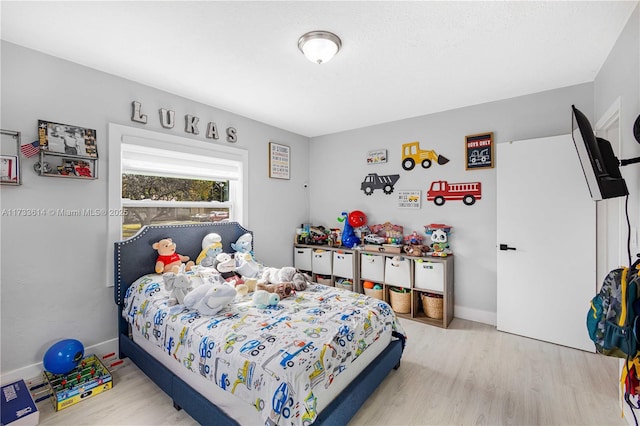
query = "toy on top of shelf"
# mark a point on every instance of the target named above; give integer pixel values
(355, 219)
(416, 250)
(319, 235)
(335, 237)
(439, 236)
(414, 238)
(392, 233)
(374, 239)
(312, 235)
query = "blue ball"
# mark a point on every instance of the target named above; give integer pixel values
(63, 356)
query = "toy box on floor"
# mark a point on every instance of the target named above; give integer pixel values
(89, 378)
(18, 408)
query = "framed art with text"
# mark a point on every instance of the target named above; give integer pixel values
(479, 151)
(279, 161)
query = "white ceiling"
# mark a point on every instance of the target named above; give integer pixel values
(398, 59)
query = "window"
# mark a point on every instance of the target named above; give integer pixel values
(165, 187)
(160, 178)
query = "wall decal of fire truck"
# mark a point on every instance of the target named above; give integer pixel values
(441, 191)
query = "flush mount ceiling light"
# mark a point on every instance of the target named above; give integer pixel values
(319, 46)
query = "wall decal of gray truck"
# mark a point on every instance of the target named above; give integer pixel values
(374, 181)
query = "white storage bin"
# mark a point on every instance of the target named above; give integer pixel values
(321, 262)
(397, 271)
(302, 258)
(371, 267)
(429, 275)
(342, 264)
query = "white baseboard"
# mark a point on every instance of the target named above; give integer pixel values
(477, 315)
(35, 370)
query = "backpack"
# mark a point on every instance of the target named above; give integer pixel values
(612, 320)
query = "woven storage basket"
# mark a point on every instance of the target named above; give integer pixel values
(432, 305)
(373, 293)
(400, 302)
(347, 285)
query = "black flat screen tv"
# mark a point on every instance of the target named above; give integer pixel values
(598, 161)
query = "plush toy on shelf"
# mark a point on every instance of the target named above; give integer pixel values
(168, 260)
(439, 234)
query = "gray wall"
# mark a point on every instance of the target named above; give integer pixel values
(53, 268)
(474, 227)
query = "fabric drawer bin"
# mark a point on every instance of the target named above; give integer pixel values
(321, 262)
(302, 258)
(429, 275)
(397, 271)
(343, 264)
(371, 267)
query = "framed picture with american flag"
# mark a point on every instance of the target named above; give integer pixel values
(67, 139)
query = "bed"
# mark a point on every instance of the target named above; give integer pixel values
(308, 363)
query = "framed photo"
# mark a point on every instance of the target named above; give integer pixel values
(409, 199)
(377, 156)
(279, 161)
(9, 169)
(479, 151)
(67, 139)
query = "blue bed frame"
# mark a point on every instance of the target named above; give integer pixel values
(135, 257)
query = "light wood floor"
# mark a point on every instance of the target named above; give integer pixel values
(468, 374)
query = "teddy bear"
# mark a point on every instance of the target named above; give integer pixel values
(178, 284)
(168, 260)
(210, 298)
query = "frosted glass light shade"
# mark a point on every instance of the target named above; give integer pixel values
(319, 46)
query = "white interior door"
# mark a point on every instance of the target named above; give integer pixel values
(546, 214)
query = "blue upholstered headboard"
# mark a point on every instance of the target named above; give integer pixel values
(136, 257)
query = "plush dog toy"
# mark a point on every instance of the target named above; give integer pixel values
(287, 274)
(178, 284)
(210, 298)
(263, 299)
(168, 260)
(283, 290)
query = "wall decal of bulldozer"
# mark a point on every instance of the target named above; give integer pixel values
(412, 154)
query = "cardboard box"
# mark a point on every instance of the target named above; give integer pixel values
(18, 408)
(89, 378)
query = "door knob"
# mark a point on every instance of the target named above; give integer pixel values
(506, 247)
